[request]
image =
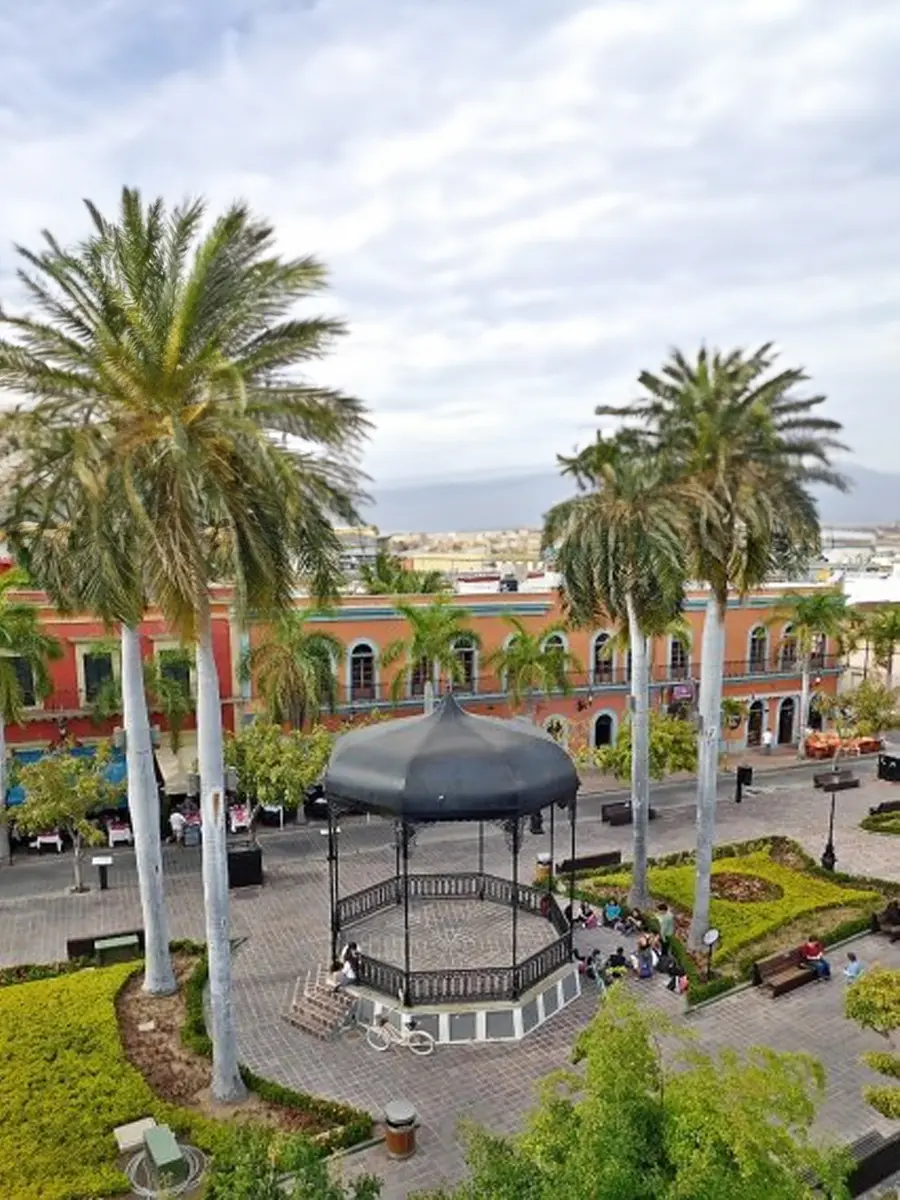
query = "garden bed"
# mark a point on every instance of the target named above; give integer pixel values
(888, 822)
(766, 896)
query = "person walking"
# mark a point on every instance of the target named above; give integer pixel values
(666, 921)
(767, 740)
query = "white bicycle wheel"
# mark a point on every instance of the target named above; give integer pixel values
(378, 1037)
(420, 1042)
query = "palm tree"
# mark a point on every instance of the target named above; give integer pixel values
(71, 533)
(25, 651)
(532, 664)
(178, 348)
(387, 576)
(620, 551)
(295, 670)
(811, 619)
(745, 436)
(430, 651)
(883, 630)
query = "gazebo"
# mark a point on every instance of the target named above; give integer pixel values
(447, 766)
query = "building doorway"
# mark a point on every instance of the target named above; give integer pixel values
(786, 722)
(603, 730)
(755, 723)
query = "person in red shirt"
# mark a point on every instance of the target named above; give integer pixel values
(813, 953)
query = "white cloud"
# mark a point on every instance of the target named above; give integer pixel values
(521, 203)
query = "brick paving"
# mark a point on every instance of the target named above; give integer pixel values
(284, 932)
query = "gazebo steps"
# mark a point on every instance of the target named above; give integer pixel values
(317, 1008)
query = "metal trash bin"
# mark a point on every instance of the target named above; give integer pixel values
(745, 775)
(542, 869)
(400, 1129)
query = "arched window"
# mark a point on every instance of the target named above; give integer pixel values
(465, 655)
(759, 650)
(555, 641)
(818, 652)
(362, 673)
(679, 666)
(419, 676)
(787, 651)
(603, 659)
(603, 730)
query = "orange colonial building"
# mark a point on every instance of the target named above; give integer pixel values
(760, 668)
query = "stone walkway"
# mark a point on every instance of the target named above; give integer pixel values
(284, 927)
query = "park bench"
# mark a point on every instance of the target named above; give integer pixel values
(886, 806)
(620, 813)
(86, 947)
(822, 779)
(782, 972)
(887, 922)
(167, 1163)
(117, 949)
(590, 862)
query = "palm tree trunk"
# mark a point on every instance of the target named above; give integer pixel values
(5, 843)
(143, 806)
(640, 755)
(227, 1085)
(804, 706)
(712, 663)
(76, 862)
(889, 670)
(428, 697)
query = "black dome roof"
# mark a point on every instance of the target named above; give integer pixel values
(450, 766)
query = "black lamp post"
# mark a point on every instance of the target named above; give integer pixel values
(836, 781)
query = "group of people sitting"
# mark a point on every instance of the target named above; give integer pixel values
(652, 953)
(611, 916)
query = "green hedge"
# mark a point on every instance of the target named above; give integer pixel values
(882, 823)
(352, 1125)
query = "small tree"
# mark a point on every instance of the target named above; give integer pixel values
(673, 748)
(275, 768)
(250, 1166)
(873, 1002)
(63, 791)
(867, 711)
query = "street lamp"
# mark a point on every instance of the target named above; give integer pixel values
(833, 782)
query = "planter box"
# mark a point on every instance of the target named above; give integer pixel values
(245, 866)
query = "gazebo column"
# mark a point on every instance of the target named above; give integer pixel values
(481, 860)
(515, 907)
(550, 884)
(398, 838)
(572, 875)
(333, 888)
(405, 842)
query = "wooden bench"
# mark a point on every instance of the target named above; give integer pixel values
(886, 806)
(117, 949)
(165, 1157)
(620, 813)
(590, 862)
(822, 778)
(888, 923)
(782, 972)
(86, 947)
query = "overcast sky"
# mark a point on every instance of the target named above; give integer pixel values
(522, 202)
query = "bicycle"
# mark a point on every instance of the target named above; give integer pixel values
(382, 1035)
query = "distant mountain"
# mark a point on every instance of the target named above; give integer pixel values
(520, 501)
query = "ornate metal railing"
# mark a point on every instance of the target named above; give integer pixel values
(461, 885)
(456, 885)
(386, 978)
(370, 900)
(542, 964)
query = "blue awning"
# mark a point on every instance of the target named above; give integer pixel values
(116, 770)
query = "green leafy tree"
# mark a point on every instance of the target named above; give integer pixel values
(294, 668)
(744, 434)
(63, 791)
(672, 747)
(23, 644)
(868, 710)
(631, 1123)
(250, 1166)
(430, 650)
(883, 630)
(533, 664)
(175, 341)
(387, 576)
(873, 1002)
(620, 550)
(276, 768)
(813, 618)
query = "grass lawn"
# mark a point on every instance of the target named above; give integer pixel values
(882, 823)
(760, 893)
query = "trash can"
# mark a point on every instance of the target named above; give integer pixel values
(542, 869)
(745, 775)
(400, 1129)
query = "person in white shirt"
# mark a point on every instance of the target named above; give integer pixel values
(177, 824)
(853, 969)
(767, 740)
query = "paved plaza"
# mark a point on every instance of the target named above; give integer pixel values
(283, 929)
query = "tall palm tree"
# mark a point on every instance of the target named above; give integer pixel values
(294, 668)
(742, 433)
(533, 664)
(620, 551)
(883, 631)
(68, 527)
(23, 644)
(811, 618)
(178, 346)
(387, 576)
(430, 650)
